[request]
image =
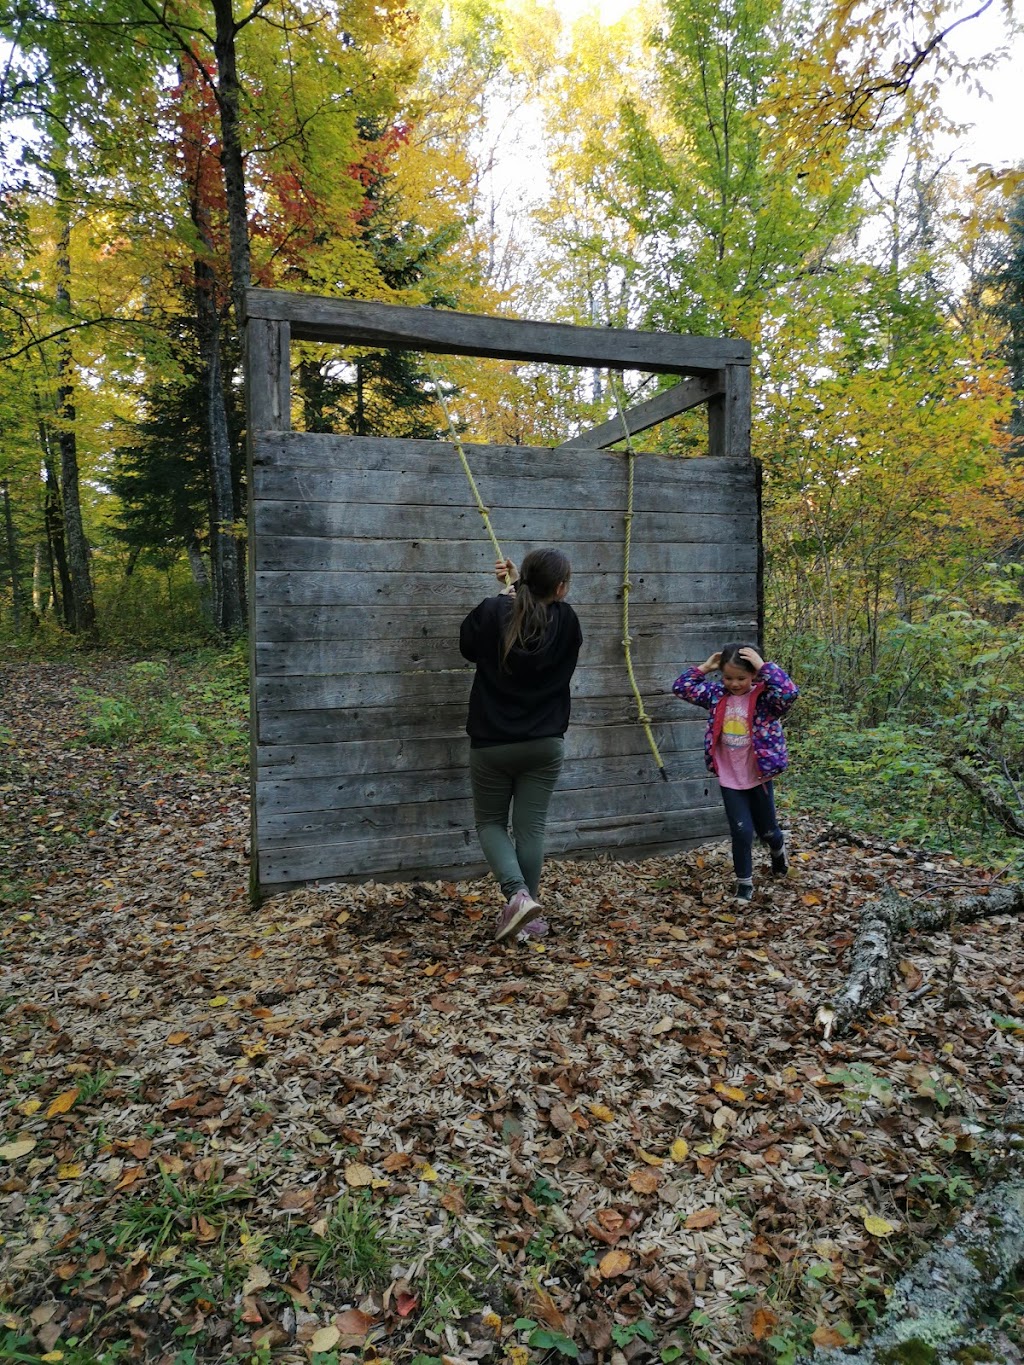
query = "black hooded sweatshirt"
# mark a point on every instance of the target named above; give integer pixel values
(527, 697)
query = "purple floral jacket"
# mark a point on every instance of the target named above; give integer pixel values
(771, 696)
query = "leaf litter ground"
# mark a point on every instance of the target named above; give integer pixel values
(347, 1125)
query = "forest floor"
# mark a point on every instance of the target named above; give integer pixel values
(346, 1125)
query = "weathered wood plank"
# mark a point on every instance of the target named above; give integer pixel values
(267, 388)
(286, 829)
(689, 393)
(338, 725)
(729, 415)
(704, 519)
(654, 651)
(357, 322)
(426, 855)
(731, 591)
(402, 785)
(297, 554)
(423, 753)
(708, 621)
(426, 689)
(324, 453)
(655, 489)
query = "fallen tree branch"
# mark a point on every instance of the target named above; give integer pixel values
(993, 802)
(934, 1308)
(874, 953)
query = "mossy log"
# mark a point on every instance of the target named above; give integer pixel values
(932, 1314)
(874, 953)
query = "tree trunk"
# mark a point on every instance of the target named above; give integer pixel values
(12, 557)
(231, 154)
(79, 608)
(933, 1309)
(1011, 820)
(227, 585)
(53, 515)
(874, 951)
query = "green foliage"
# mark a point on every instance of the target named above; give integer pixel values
(353, 1249)
(547, 1339)
(198, 705)
(944, 688)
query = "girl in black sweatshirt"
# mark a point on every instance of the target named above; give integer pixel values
(525, 643)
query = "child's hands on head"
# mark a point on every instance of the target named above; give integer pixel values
(711, 662)
(751, 656)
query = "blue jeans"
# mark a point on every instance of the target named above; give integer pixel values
(750, 810)
(522, 777)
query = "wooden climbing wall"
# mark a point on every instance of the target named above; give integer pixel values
(366, 554)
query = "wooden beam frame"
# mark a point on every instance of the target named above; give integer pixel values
(689, 393)
(356, 322)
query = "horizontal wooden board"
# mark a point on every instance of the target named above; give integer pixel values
(429, 687)
(427, 752)
(425, 854)
(710, 622)
(654, 488)
(310, 554)
(366, 793)
(315, 317)
(279, 829)
(728, 590)
(518, 528)
(308, 456)
(652, 650)
(338, 725)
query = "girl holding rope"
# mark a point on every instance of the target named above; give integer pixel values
(525, 643)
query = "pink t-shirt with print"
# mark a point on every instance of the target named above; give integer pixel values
(737, 766)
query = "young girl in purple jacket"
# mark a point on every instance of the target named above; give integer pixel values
(744, 747)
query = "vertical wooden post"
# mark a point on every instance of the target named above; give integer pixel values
(268, 408)
(268, 376)
(729, 415)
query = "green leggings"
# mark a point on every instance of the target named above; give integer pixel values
(522, 776)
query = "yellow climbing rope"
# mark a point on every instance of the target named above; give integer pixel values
(642, 717)
(481, 506)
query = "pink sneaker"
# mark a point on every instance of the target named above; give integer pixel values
(521, 909)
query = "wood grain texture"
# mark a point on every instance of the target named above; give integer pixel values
(366, 556)
(357, 322)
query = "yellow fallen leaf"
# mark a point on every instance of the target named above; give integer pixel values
(679, 1150)
(62, 1103)
(13, 1150)
(325, 1339)
(28, 1107)
(69, 1170)
(878, 1227)
(357, 1175)
(217, 1001)
(602, 1112)
(427, 1172)
(52, 1357)
(651, 1160)
(613, 1264)
(731, 1092)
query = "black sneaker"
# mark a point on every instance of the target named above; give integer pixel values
(780, 863)
(744, 891)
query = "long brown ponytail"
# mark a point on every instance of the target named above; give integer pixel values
(539, 577)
